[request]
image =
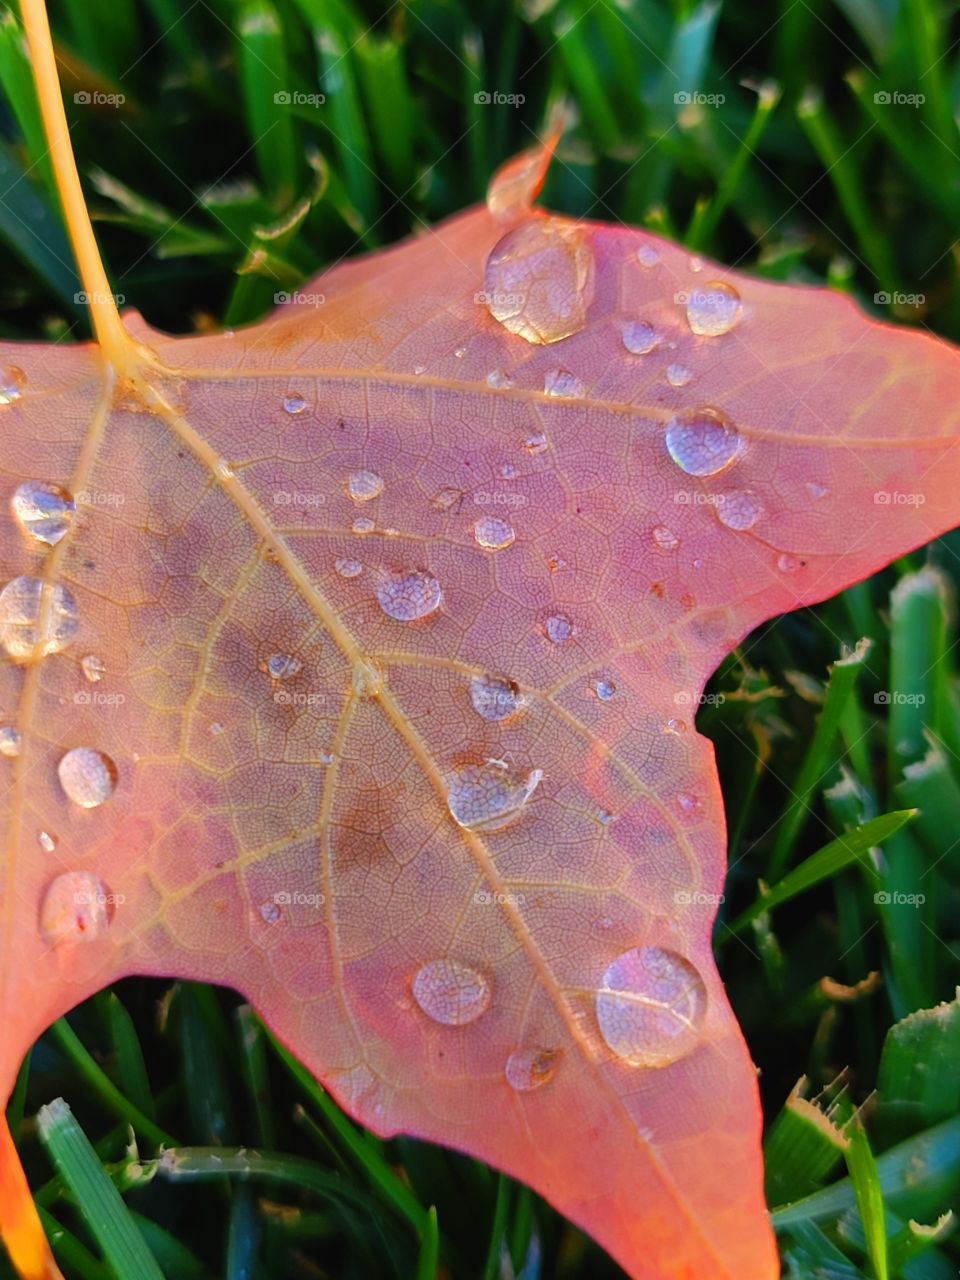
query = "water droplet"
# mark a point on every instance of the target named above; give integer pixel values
(739, 510)
(12, 382)
(787, 563)
(367, 679)
(495, 698)
(348, 568)
(499, 380)
(695, 264)
(9, 741)
(407, 597)
(93, 668)
(674, 725)
(363, 524)
(43, 511)
(294, 403)
(564, 384)
(76, 907)
(36, 618)
(702, 442)
(460, 352)
(539, 279)
(815, 490)
(651, 1006)
(713, 309)
(270, 913)
(508, 472)
(364, 485)
(87, 776)
(419, 368)
(559, 628)
(604, 689)
(535, 443)
(489, 796)
(281, 666)
(528, 1069)
(689, 804)
(665, 538)
(556, 563)
(678, 375)
(647, 256)
(46, 841)
(493, 533)
(450, 992)
(639, 337)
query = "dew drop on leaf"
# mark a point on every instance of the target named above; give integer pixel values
(702, 442)
(9, 741)
(270, 912)
(364, 485)
(489, 796)
(539, 280)
(674, 725)
(535, 443)
(36, 618)
(406, 597)
(647, 256)
(787, 563)
(639, 337)
(294, 404)
(493, 533)
(363, 524)
(665, 538)
(678, 375)
(348, 568)
(499, 380)
(564, 384)
(43, 511)
(281, 666)
(738, 510)
(713, 309)
(494, 697)
(559, 628)
(450, 992)
(689, 804)
(46, 841)
(76, 907)
(529, 1069)
(12, 382)
(88, 777)
(604, 689)
(93, 668)
(508, 472)
(651, 1006)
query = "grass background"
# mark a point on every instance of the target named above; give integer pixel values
(823, 148)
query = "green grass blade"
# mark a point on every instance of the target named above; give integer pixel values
(869, 1196)
(430, 1248)
(268, 92)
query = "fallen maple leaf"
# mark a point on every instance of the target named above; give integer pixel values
(354, 659)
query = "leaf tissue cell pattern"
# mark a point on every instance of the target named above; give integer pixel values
(354, 656)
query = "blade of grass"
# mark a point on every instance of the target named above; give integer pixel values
(869, 1196)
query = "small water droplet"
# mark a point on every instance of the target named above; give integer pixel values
(639, 337)
(407, 597)
(460, 352)
(713, 309)
(695, 264)
(364, 485)
(556, 563)
(647, 256)
(528, 1069)
(294, 403)
(604, 689)
(702, 442)
(93, 668)
(450, 992)
(499, 380)
(651, 1006)
(489, 796)
(539, 279)
(327, 757)
(564, 384)
(678, 375)
(363, 524)
(270, 912)
(559, 628)
(76, 907)
(418, 369)
(495, 697)
(815, 490)
(674, 725)
(493, 533)
(348, 568)
(665, 538)
(87, 776)
(281, 666)
(12, 382)
(535, 443)
(216, 727)
(9, 741)
(604, 817)
(46, 841)
(508, 472)
(739, 510)
(367, 679)
(36, 618)
(689, 804)
(787, 563)
(43, 511)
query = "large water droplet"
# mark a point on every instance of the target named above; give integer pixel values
(9, 741)
(702, 442)
(678, 375)
(713, 309)
(43, 511)
(407, 597)
(294, 403)
(87, 776)
(495, 698)
(528, 1069)
(364, 485)
(651, 1006)
(739, 510)
(281, 666)
(488, 796)
(348, 568)
(93, 668)
(539, 279)
(76, 907)
(564, 384)
(559, 628)
(36, 618)
(665, 538)
(639, 337)
(12, 382)
(450, 992)
(493, 533)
